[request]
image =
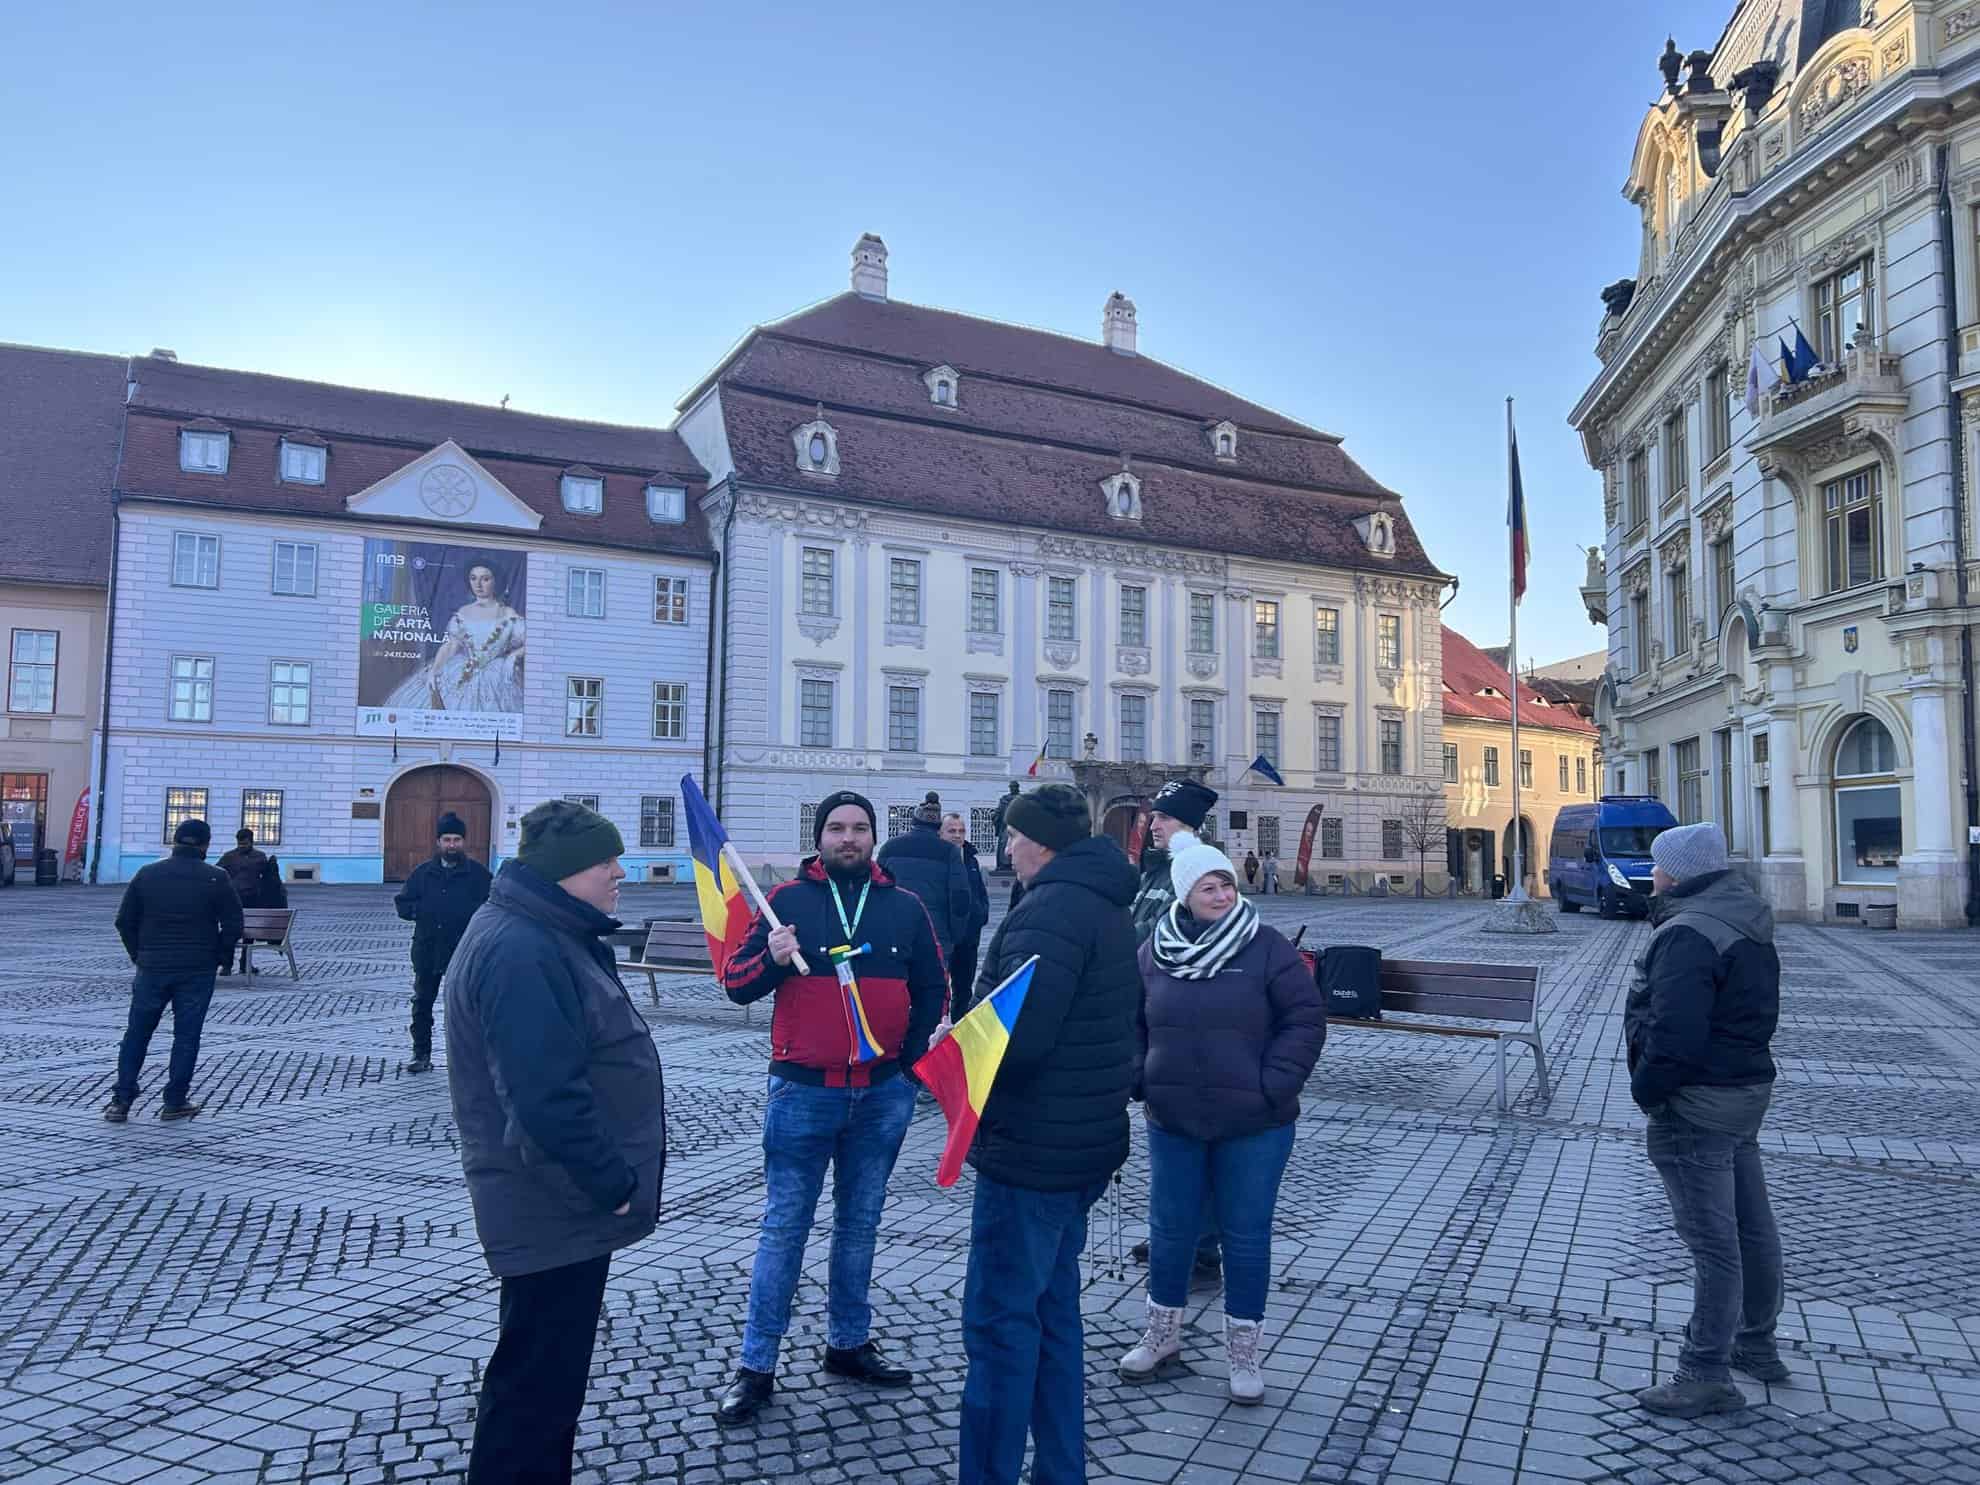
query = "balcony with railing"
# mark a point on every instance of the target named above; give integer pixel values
(1831, 398)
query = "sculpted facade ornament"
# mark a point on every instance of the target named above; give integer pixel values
(1962, 23)
(1132, 660)
(817, 629)
(1061, 653)
(978, 643)
(1124, 554)
(1674, 552)
(1841, 86)
(1202, 666)
(1637, 579)
(1716, 522)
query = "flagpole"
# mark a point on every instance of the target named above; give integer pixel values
(756, 896)
(1517, 885)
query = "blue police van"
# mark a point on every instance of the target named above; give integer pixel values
(1599, 855)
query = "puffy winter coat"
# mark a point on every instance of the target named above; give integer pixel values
(438, 900)
(180, 914)
(245, 868)
(932, 869)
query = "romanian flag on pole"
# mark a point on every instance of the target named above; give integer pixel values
(725, 912)
(1032, 772)
(1522, 543)
(960, 1068)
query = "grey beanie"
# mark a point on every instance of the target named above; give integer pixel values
(1686, 851)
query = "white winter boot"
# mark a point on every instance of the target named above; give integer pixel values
(1159, 1348)
(1242, 1340)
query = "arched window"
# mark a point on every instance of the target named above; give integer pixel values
(1224, 444)
(1869, 805)
(944, 393)
(818, 448)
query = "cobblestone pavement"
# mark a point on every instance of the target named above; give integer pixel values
(288, 1287)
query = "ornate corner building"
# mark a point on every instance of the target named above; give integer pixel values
(1787, 567)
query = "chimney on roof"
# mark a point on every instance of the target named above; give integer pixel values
(159, 354)
(869, 268)
(1117, 324)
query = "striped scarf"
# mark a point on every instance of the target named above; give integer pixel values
(1201, 958)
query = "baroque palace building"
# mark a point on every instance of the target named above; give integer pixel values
(1785, 587)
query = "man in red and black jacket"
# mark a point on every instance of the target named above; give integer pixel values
(838, 1093)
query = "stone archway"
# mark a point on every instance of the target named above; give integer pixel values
(416, 801)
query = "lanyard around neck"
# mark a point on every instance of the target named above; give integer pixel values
(859, 911)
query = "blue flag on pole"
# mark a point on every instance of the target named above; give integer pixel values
(1262, 766)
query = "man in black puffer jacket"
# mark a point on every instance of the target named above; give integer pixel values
(1702, 1009)
(1053, 1131)
(932, 869)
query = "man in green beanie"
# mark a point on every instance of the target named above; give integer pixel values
(559, 1101)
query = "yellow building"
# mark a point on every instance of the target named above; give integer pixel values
(1557, 766)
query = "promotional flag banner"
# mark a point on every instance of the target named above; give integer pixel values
(960, 1069)
(1305, 859)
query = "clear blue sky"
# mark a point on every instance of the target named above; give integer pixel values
(1381, 219)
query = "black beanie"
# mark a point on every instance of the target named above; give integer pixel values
(449, 824)
(1054, 815)
(193, 833)
(1185, 800)
(833, 801)
(930, 809)
(561, 838)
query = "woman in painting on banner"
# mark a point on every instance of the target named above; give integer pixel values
(479, 666)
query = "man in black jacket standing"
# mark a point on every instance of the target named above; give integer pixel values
(179, 921)
(438, 899)
(932, 869)
(1054, 1130)
(962, 963)
(561, 1108)
(1700, 1016)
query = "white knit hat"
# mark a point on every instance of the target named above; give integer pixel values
(1193, 863)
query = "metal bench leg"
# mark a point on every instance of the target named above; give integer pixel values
(247, 963)
(1540, 1066)
(1499, 1048)
(289, 949)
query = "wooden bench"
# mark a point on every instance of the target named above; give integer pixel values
(673, 946)
(1508, 993)
(268, 928)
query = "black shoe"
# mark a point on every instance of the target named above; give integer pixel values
(1139, 1252)
(1762, 1366)
(183, 1111)
(421, 1063)
(1207, 1272)
(116, 1111)
(747, 1396)
(867, 1363)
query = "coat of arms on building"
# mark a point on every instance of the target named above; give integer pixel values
(1849, 639)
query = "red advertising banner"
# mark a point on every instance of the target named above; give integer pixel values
(1138, 837)
(1312, 828)
(78, 833)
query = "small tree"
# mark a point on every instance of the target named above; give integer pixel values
(1424, 826)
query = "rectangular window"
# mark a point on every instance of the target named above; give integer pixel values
(1327, 733)
(670, 600)
(288, 693)
(1061, 594)
(983, 830)
(1722, 577)
(1581, 775)
(195, 560)
(589, 801)
(1388, 642)
(1760, 746)
(1653, 773)
(1639, 631)
(1202, 730)
(670, 710)
(1450, 763)
(900, 819)
(584, 706)
(1639, 488)
(261, 812)
(656, 822)
(203, 453)
(1677, 598)
(1134, 617)
(295, 571)
(1677, 458)
(1326, 636)
(807, 813)
(1761, 814)
(1491, 768)
(1853, 513)
(585, 596)
(1333, 838)
(1268, 835)
(985, 733)
(1265, 726)
(1562, 760)
(904, 719)
(182, 805)
(815, 595)
(1202, 623)
(903, 591)
(1392, 840)
(1691, 782)
(192, 688)
(1058, 724)
(1722, 760)
(815, 714)
(1526, 768)
(31, 671)
(584, 495)
(1391, 732)
(302, 464)
(1265, 629)
(985, 602)
(1718, 413)
(666, 505)
(1842, 306)
(1134, 729)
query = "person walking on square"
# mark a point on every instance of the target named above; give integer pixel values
(560, 1104)
(962, 963)
(1250, 868)
(1231, 1026)
(1051, 1134)
(1700, 1016)
(438, 899)
(1269, 869)
(842, 1033)
(179, 921)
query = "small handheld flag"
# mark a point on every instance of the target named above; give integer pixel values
(723, 889)
(859, 1031)
(1516, 514)
(960, 1068)
(1262, 766)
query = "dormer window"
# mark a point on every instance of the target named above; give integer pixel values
(203, 450)
(1123, 492)
(1224, 440)
(1378, 533)
(303, 460)
(666, 505)
(817, 445)
(944, 386)
(818, 449)
(584, 491)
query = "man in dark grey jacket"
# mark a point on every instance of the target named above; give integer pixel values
(558, 1097)
(932, 869)
(1701, 1013)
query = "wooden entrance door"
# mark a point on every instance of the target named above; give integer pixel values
(416, 803)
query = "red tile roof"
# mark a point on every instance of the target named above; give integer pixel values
(1468, 671)
(60, 413)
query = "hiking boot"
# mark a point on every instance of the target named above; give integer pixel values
(1688, 1396)
(1242, 1339)
(747, 1396)
(183, 1111)
(1159, 1348)
(116, 1111)
(867, 1363)
(421, 1063)
(1762, 1366)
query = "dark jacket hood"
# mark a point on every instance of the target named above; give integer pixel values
(1097, 864)
(523, 890)
(1720, 906)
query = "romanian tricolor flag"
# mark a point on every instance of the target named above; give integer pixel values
(960, 1068)
(1032, 772)
(865, 1045)
(1522, 542)
(725, 913)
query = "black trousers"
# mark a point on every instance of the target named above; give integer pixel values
(525, 1425)
(426, 988)
(962, 975)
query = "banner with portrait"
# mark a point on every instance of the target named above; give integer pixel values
(442, 634)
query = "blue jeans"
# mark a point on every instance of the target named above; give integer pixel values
(188, 993)
(1241, 1179)
(1719, 1197)
(1023, 1336)
(858, 1132)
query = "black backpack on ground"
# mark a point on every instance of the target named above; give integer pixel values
(1350, 980)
